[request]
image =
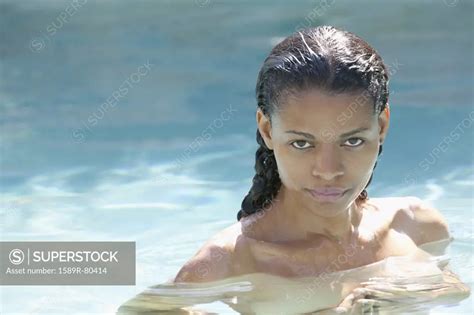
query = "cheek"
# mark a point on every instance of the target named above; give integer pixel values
(364, 161)
(371, 155)
(290, 168)
(365, 156)
(365, 165)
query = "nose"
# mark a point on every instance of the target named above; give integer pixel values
(328, 164)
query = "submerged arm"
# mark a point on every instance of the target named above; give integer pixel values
(380, 295)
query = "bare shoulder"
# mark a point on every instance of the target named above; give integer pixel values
(421, 221)
(213, 261)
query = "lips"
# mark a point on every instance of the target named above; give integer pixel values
(327, 194)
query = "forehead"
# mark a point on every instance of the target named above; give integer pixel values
(315, 109)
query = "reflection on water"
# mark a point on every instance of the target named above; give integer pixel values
(412, 284)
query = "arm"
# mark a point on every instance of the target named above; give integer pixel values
(211, 263)
(425, 224)
(421, 222)
(357, 302)
(371, 296)
(455, 290)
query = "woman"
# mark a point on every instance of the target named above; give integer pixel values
(322, 118)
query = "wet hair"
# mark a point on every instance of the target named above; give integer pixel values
(333, 60)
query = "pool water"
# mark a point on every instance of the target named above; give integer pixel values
(399, 284)
(138, 174)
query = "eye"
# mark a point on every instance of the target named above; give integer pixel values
(300, 142)
(357, 144)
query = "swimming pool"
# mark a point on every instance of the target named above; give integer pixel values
(138, 174)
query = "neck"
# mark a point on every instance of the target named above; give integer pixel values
(298, 222)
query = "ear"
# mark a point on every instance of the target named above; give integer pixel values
(384, 123)
(265, 127)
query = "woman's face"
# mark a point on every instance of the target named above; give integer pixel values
(322, 140)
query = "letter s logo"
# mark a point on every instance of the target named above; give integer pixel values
(16, 256)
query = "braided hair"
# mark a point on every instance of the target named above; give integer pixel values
(325, 57)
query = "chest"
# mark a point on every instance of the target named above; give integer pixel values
(376, 240)
(327, 257)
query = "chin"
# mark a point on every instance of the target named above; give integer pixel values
(327, 212)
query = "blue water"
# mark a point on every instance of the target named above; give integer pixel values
(136, 175)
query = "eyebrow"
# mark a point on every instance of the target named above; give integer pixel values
(310, 136)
